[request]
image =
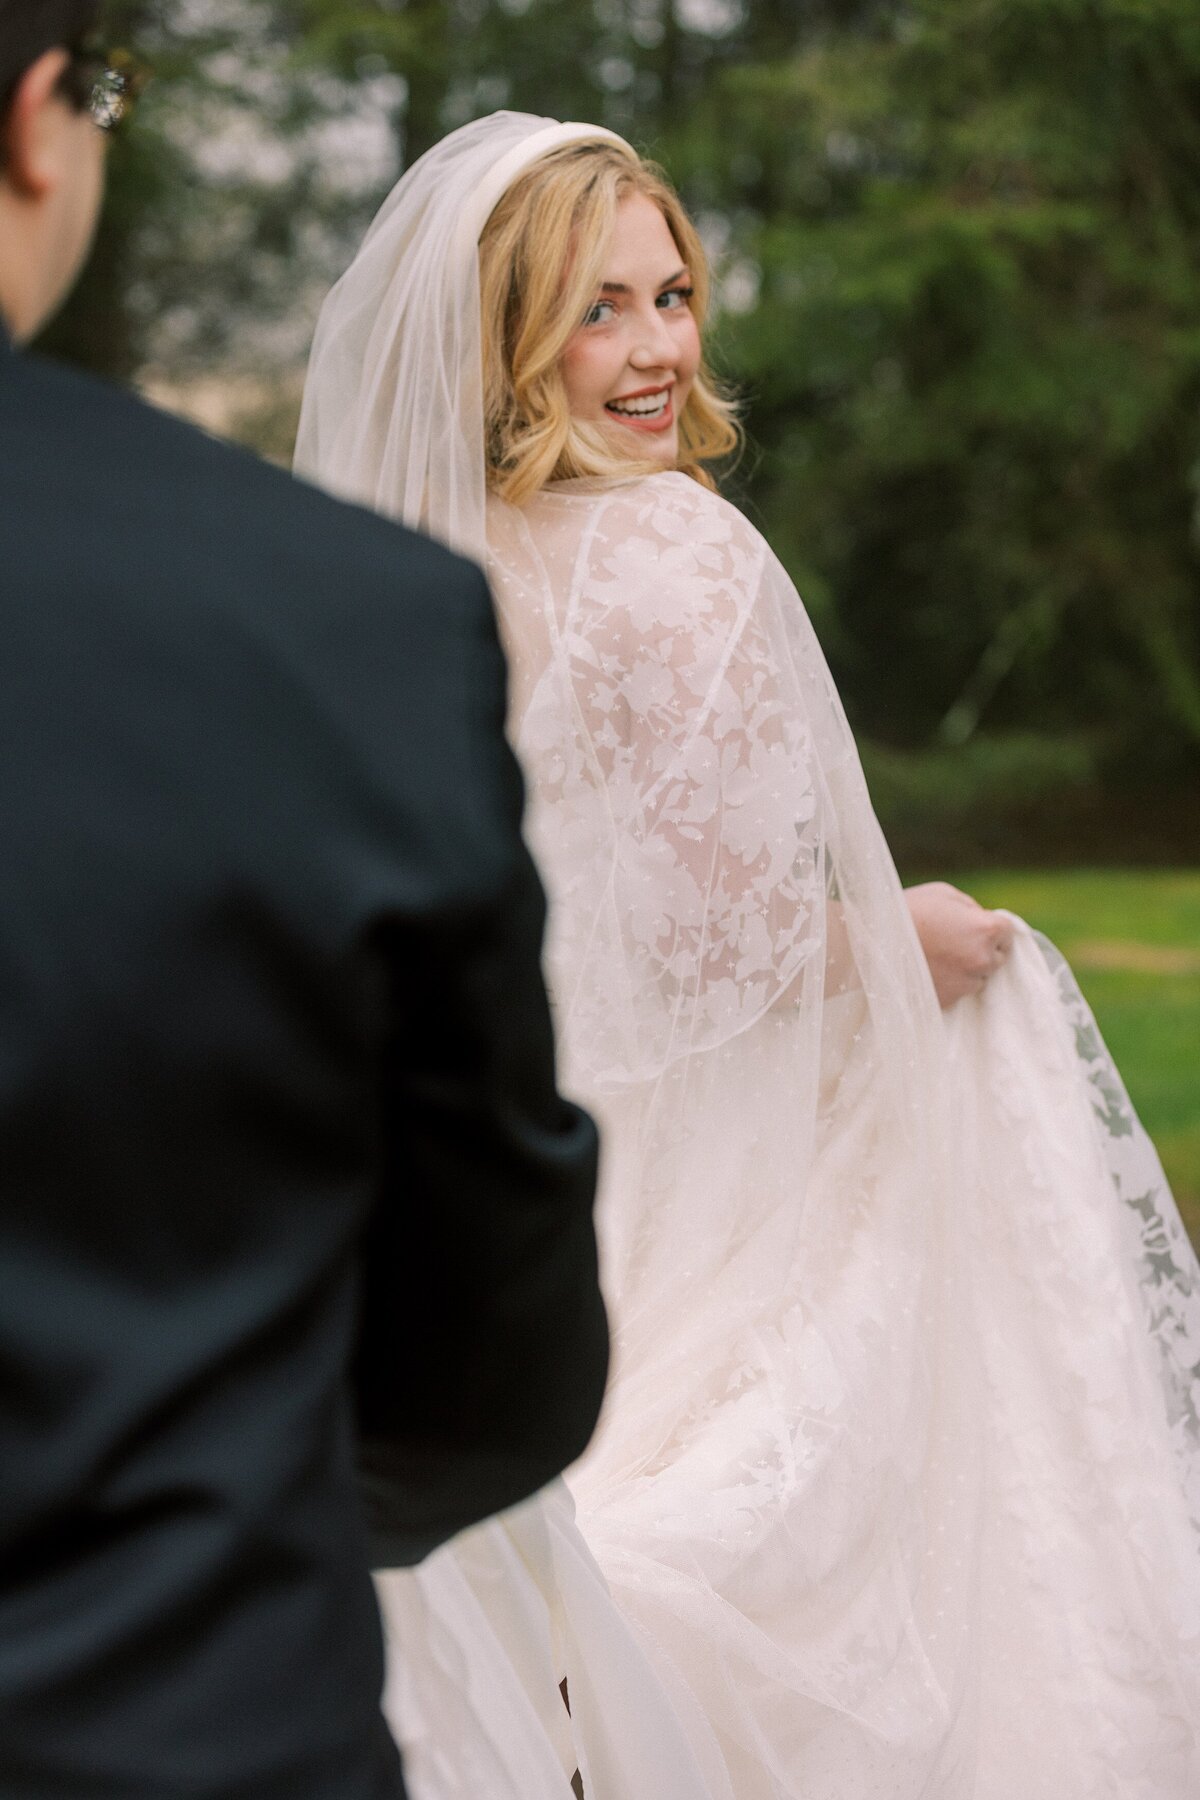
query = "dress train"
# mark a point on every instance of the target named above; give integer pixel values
(1083, 1580)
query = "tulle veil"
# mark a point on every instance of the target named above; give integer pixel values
(392, 414)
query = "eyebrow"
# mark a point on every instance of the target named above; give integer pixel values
(619, 287)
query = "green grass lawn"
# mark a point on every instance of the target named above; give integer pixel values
(1133, 940)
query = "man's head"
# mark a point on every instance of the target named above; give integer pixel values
(51, 157)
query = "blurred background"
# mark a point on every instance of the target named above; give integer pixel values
(957, 246)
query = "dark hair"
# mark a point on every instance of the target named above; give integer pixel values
(28, 28)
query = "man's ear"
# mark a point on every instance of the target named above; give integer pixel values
(32, 130)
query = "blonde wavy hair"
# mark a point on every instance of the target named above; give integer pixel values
(540, 263)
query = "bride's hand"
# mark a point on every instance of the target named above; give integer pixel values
(964, 944)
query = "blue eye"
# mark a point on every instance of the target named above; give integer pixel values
(681, 295)
(597, 316)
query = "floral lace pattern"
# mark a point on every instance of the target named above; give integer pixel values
(1167, 1271)
(674, 802)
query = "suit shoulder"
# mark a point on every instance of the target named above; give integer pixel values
(115, 447)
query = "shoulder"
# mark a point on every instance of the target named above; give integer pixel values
(653, 527)
(672, 499)
(673, 524)
(348, 668)
(93, 451)
(260, 594)
(666, 548)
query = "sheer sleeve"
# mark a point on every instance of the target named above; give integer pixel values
(679, 817)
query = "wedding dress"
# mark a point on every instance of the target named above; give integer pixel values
(896, 1495)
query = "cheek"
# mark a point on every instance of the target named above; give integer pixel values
(588, 371)
(689, 361)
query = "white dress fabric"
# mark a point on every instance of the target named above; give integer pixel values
(897, 1487)
(896, 1495)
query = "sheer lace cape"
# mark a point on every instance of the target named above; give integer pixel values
(853, 1258)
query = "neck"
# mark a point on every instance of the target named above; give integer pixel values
(22, 262)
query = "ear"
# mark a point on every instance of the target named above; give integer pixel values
(32, 130)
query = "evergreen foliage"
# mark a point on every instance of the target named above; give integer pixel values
(959, 256)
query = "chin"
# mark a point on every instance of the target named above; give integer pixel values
(642, 446)
(664, 451)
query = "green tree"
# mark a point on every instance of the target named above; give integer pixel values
(241, 188)
(975, 360)
(959, 272)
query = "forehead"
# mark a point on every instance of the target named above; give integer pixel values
(641, 248)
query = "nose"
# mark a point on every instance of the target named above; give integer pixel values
(655, 347)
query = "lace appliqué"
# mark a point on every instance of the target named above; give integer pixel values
(676, 815)
(1168, 1276)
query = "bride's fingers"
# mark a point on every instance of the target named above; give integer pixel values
(1002, 935)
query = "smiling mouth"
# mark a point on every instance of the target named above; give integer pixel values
(647, 410)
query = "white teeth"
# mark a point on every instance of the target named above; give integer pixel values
(653, 406)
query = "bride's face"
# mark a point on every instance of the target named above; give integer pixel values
(631, 363)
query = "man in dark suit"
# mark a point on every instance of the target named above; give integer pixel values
(288, 1199)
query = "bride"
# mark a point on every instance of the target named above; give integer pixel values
(897, 1490)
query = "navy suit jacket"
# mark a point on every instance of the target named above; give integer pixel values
(291, 1212)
